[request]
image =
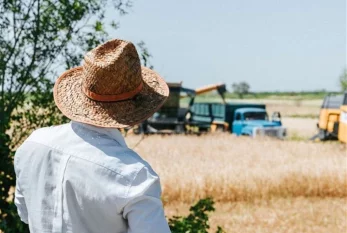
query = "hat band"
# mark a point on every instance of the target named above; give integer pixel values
(112, 98)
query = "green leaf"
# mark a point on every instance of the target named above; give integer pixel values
(114, 25)
(196, 221)
(98, 26)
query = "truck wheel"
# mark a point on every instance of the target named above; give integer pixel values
(220, 128)
(179, 129)
(323, 135)
(137, 129)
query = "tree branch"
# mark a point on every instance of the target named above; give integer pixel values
(12, 50)
(22, 86)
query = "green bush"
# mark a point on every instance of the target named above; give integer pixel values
(196, 221)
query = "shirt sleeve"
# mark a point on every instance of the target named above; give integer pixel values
(21, 206)
(144, 209)
(19, 199)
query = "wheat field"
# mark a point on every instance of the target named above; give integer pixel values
(282, 215)
(260, 185)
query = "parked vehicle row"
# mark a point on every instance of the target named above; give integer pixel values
(237, 118)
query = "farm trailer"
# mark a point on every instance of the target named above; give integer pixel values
(172, 117)
(238, 118)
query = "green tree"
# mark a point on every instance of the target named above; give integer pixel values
(241, 89)
(37, 38)
(343, 80)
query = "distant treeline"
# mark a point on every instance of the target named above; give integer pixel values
(270, 95)
(278, 95)
(293, 93)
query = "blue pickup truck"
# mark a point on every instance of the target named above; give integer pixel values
(237, 118)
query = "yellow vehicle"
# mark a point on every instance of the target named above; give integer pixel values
(342, 135)
(329, 118)
(220, 88)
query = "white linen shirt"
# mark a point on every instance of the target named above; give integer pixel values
(77, 178)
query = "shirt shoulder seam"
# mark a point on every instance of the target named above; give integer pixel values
(79, 157)
(131, 183)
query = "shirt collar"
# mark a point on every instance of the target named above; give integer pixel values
(113, 133)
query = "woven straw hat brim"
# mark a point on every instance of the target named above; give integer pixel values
(75, 105)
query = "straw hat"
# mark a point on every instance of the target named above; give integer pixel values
(111, 89)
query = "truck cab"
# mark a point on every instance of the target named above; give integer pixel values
(255, 121)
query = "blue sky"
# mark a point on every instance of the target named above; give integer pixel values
(273, 45)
